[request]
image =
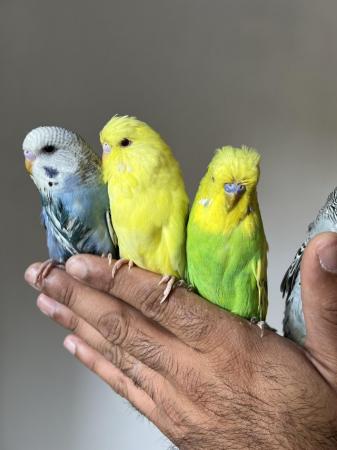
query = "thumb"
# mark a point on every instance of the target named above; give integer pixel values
(319, 297)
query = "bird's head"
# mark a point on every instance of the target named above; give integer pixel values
(233, 175)
(129, 145)
(54, 156)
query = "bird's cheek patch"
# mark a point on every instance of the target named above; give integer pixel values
(51, 172)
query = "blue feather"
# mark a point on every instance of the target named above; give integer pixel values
(75, 222)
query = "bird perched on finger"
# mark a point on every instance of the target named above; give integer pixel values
(75, 205)
(293, 323)
(226, 243)
(148, 200)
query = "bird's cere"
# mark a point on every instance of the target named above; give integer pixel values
(106, 148)
(29, 155)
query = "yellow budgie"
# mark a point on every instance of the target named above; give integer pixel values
(148, 201)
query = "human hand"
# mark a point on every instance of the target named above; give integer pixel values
(205, 378)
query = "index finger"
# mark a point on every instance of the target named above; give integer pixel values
(192, 319)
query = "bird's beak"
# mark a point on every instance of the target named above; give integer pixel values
(233, 193)
(29, 165)
(232, 200)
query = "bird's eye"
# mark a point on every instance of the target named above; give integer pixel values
(48, 148)
(106, 148)
(125, 142)
(241, 188)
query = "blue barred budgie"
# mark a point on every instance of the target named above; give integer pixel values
(75, 204)
(293, 323)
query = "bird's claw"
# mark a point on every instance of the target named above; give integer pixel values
(259, 323)
(109, 259)
(171, 284)
(118, 264)
(45, 269)
(169, 280)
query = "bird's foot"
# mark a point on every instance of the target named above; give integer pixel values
(185, 285)
(170, 281)
(118, 264)
(260, 323)
(109, 259)
(45, 269)
(171, 284)
(263, 325)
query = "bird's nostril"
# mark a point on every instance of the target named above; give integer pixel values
(29, 155)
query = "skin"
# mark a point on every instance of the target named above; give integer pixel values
(207, 379)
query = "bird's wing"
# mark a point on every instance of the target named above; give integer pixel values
(110, 227)
(69, 232)
(291, 274)
(260, 273)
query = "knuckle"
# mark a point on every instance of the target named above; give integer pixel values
(69, 295)
(112, 353)
(175, 413)
(151, 306)
(150, 353)
(93, 365)
(73, 323)
(198, 325)
(110, 283)
(143, 380)
(119, 385)
(114, 326)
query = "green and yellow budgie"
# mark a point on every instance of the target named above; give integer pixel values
(226, 244)
(148, 200)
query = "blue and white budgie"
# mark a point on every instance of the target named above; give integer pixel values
(293, 323)
(75, 204)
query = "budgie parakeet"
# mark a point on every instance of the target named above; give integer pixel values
(148, 200)
(293, 323)
(226, 243)
(75, 205)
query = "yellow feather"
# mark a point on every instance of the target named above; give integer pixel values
(229, 165)
(147, 195)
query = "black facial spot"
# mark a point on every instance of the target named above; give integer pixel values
(48, 149)
(50, 183)
(125, 142)
(51, 172)
(213, 179)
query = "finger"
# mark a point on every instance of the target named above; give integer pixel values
(117, 322)
(112, 375)
(188, 316)
(140, 374)
(319, 297)
(123, 386)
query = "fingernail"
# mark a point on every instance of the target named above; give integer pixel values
(77, 267)
(30, 276)
(70, 345)
(46, 305)
(328, 258)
